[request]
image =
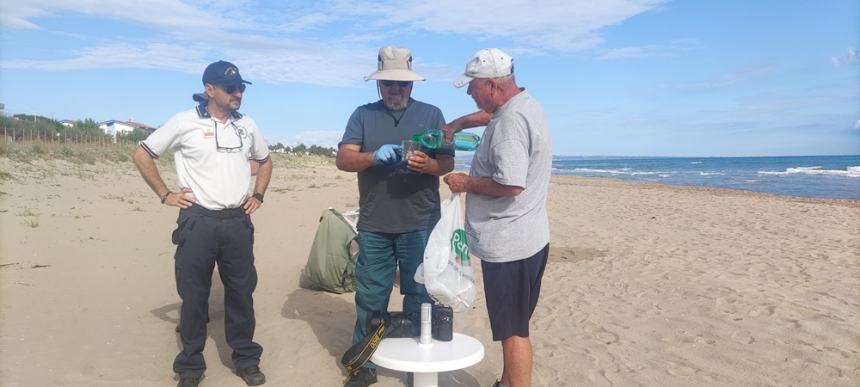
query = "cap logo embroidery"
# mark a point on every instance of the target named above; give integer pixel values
(231, 71)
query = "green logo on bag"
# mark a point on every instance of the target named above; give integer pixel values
(458, 244)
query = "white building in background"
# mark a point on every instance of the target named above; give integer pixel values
(115, 127)
(67, 123)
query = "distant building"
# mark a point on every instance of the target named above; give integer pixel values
(67, 123)
(114, 127)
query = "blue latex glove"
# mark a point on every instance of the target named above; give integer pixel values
(388, 154)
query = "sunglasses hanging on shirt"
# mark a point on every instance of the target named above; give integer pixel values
(219, 143)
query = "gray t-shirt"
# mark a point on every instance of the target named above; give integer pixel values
(394, 199)
(516, 150)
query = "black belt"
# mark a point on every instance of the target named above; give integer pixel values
(221, 214)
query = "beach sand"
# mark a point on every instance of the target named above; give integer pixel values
(647, 285)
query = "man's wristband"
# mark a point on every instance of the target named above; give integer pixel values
(258, 196)
(163, 198)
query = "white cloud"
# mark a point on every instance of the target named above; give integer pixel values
(18, 15)
(551, 26)
(273, 42)
(849, 57)
(647, 51)
(163, 13)
(857, 124)
(119, 55)
(313, 62)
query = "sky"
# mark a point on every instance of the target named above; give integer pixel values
(615, 77)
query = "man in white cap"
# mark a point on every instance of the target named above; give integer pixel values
(506, 218)
(399, 199)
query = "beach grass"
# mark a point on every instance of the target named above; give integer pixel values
(82, 153)
(75, 153)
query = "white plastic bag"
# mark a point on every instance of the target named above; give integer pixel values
(446, 271)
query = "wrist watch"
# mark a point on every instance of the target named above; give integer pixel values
(258, 196)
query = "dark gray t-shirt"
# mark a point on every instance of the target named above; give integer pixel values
(394, 199)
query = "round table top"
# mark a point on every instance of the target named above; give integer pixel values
(406, 354)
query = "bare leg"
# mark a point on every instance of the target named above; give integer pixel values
(517, 353)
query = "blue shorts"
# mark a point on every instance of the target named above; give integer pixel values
(512, 290)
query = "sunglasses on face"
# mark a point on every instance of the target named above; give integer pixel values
(399, 83)
(232, 88)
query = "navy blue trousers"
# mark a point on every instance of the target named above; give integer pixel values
(204, 238)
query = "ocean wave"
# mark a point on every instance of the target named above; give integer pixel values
(619, 171)
(853, 171)
(711, 174)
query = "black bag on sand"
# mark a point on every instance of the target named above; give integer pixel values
(402, 324)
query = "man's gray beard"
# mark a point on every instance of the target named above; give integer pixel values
(397, 106)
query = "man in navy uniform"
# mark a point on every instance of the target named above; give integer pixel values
(213, 144)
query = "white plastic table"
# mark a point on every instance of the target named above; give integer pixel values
(425, 361)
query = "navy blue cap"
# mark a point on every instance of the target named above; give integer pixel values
(222, 73)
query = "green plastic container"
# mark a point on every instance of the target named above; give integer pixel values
(434, 139)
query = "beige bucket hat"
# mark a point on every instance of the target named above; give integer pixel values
(395, 64)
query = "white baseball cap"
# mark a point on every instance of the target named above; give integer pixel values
(394, 64)
(486, 63)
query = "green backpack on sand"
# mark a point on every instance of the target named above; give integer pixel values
(331, 261)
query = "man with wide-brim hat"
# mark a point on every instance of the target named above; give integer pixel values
(394, 78)
(399, 199)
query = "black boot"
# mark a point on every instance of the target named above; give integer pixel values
(252, 376)
(362, 378)
(189, 381)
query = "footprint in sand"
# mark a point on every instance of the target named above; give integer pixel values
(601, 334)
(678, 369)
(766, 310)
(606, 337)
(688, 338)
(743, 337)
(574, 254)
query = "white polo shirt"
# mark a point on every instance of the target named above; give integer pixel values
(211, 157)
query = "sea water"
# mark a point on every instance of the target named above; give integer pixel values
(836, 177)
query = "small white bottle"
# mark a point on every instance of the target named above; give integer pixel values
(426, 337)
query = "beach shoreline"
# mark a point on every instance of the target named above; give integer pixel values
(719, 191)
(647, 284)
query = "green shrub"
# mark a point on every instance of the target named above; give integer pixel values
(66, 152)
